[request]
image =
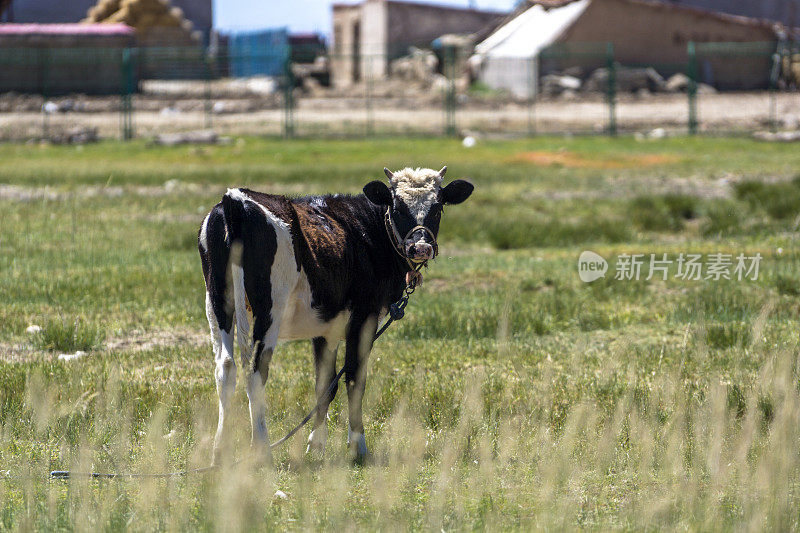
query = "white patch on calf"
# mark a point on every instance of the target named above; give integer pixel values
(212, 323)
(204, 233)
(283, 279)
(301, 321)
(418, 188)
(238, 195)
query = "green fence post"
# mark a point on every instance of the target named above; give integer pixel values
(773, 88)
(209, 122)
(691, 89)
(368, 96)
(123, 90)
(126, 108)
(533, 91)
(288, 99)
(45, 65)
(611, 92)
(450, 90)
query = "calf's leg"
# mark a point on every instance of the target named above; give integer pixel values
(325, 368)
(267, 274)
(257, 354)
(360, 336)
(224, 374)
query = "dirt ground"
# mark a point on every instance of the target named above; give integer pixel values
(356, 115)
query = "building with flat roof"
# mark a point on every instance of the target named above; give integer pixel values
(368, 35)
(54, 59)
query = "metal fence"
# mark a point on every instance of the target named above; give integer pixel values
(584, 88)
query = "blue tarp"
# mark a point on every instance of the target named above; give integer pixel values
(259, 53)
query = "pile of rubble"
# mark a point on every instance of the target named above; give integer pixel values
(73, 135)
(639, 81)
(421, 68)
(418, 65)
(790, 72)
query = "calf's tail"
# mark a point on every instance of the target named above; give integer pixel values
(233, 212)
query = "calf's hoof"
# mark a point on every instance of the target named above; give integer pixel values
(216, 458)
(261, 455)
(316, 441)
(357, 444)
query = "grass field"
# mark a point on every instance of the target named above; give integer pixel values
(512, 396)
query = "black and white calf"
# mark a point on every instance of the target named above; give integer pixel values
(320, 267)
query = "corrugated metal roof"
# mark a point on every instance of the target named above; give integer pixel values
(535, 28)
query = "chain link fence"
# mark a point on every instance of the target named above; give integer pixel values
(582, 88)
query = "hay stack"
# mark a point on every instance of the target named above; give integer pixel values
(139, 14)
(103, 10)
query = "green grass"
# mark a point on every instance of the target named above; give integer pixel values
(512, 396)
(663, 213)
(779, 200)
(58, 335)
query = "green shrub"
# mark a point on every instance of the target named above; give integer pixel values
(728, 335)
(682, 206)
(59, 335)
(663, 213)
(779, 200)
(723, 218)
(553, 232)
(788, 285)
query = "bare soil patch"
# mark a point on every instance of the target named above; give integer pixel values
(141, 341)
(131, 342)
(576, 160)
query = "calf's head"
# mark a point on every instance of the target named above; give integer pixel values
(414, 200)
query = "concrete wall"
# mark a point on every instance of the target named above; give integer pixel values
(657, 35)
(374, 35)
(784, 11)
(419, 24)
(345, 20)
(62, 64)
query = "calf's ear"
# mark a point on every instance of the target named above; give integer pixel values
(456, 192)
(378, 193)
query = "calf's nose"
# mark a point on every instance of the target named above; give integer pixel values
(420, 250)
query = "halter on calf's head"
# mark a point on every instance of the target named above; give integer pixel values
(414, 202)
